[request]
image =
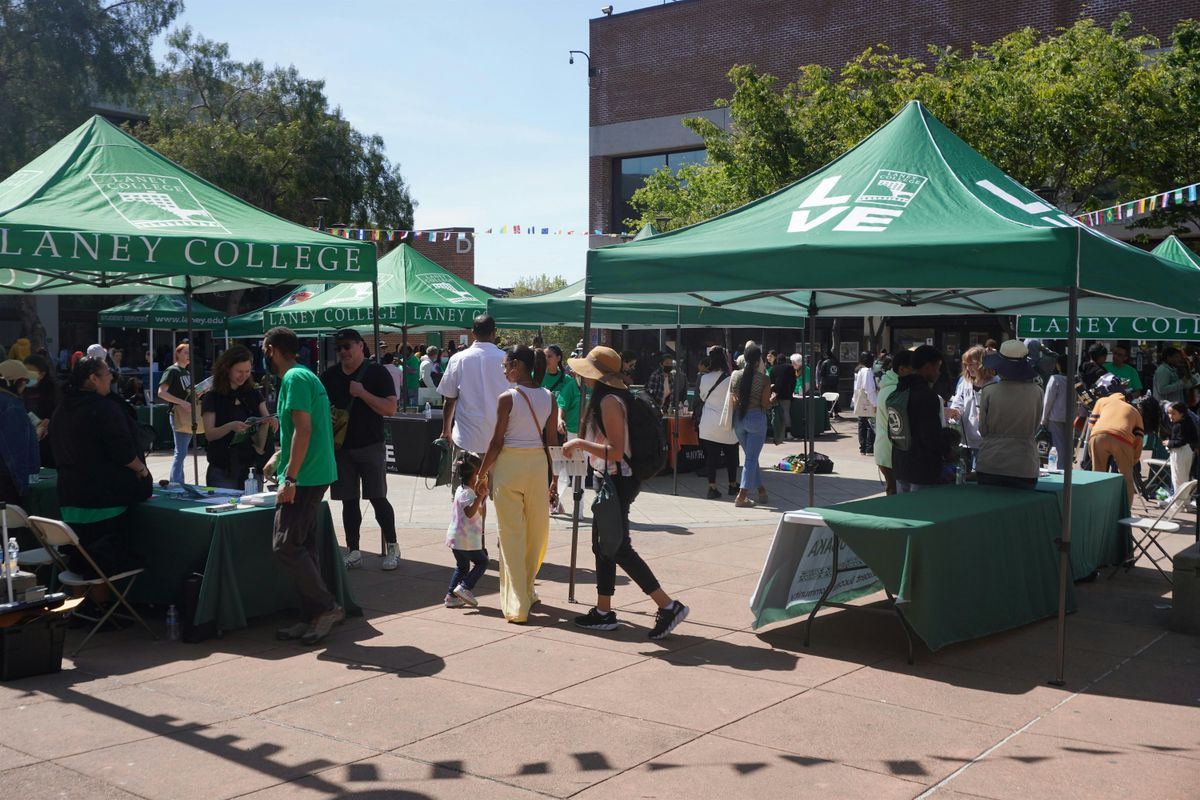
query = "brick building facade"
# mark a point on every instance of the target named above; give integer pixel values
(658, 65)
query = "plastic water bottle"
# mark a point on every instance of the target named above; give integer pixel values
(172, 624)
(960, 477)
(1052, 459)
(428, 411)
(14, 555)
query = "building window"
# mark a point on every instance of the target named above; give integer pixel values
(630, 174)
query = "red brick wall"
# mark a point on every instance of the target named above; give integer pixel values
(673, 58)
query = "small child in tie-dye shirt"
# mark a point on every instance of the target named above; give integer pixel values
(464, 536)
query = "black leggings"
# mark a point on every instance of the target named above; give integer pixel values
(712, 454)
(384, 515)
(627, 558)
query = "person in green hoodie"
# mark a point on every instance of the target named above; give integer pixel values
(898, 367)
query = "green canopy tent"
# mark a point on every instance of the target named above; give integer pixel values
(414, 293)
(566, 307)
(909, 221)
(250, 324)
(1173, 249)
(1113, 319)
(160, 312)
(101, 213)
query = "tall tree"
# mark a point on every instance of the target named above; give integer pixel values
(271, 137)
(59, 58)
(1065, 113)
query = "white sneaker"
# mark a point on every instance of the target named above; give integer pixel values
(454, 602)
(391, 559)
(465, 594)
(354, 559)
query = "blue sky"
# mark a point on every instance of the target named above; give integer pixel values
(474, 98)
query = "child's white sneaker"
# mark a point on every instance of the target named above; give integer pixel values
(454, 602)
(354, 559)
(465, 594)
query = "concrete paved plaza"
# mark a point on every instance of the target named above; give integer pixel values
(418, 701)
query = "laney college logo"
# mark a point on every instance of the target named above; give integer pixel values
(154, 202)
(446, 287)
(883, 200)
(892, 188)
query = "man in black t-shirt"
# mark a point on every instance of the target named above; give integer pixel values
(361, 394)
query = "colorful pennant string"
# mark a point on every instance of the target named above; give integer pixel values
(396, 234)
(1143, 205)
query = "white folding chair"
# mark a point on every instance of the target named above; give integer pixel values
(36, 558)
(29, 559)
(1148, 528)
(53, 534)
(832, 398)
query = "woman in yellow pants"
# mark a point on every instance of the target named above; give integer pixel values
(518, 463)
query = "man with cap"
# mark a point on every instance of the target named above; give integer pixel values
(473, 380)
(361, 394)
(19, 453)
(1010, 412)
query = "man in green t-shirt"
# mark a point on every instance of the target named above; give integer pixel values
(1121, 367)
(412, 376)
(305, 467)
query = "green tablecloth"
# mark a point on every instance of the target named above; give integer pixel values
(1098, 501)
(804, 409)
(962, 561)
(232, 550)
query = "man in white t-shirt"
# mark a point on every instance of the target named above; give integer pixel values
(474, 378)
(429, 365)
(389, 363)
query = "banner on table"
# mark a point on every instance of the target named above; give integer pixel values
(1138, 328)
(816, 567)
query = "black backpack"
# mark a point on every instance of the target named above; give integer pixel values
(647, 439)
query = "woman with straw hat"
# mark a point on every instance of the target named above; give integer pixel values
(605, 439)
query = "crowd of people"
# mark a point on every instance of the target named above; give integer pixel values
(503, 409)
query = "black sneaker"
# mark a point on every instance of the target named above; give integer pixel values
(667, 619)
(733, 490)
(714, 493)
(596, 621)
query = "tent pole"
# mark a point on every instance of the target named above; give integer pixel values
(375, 314)
(1064, 543)
(150, 379)
(624, 337)
(675, 434)
(577, 481)
(187, 294)
(811, 425)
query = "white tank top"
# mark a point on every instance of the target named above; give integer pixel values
(522, 431)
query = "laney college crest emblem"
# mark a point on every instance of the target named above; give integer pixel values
(154, 202)
(446, 287)
(892, 188)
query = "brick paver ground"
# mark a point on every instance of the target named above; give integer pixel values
(418, 701)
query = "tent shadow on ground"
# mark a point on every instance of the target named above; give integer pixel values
(1104, 655)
